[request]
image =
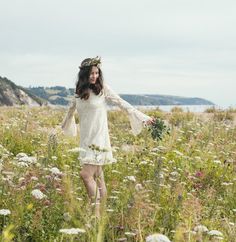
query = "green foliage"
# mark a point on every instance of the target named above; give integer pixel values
(158, 128)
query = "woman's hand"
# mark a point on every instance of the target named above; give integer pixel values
(150, 121)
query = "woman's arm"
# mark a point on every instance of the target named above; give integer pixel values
(68, 124)
(137, 119)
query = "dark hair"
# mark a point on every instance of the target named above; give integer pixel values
(83, 85)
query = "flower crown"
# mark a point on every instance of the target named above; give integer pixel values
(91, 62)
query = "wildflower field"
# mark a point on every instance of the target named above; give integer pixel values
(181, 188)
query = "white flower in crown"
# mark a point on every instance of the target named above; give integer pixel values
(91, 62)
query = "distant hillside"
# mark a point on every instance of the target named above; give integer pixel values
(56, 95)
(11, 94)
(154, 99)
(59, 95)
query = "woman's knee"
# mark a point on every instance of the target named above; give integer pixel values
(83, 174)
(87, 172)
(99, 172)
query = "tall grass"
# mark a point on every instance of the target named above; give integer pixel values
(170, 187)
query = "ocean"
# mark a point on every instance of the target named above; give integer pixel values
(190, 108)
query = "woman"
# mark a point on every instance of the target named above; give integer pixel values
(91, 97)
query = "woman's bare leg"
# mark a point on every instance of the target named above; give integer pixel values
(99, 176)
(101, 183)
(87, 174)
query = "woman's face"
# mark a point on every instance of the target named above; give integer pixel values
(94, 74)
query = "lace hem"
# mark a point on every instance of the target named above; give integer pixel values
(96, 162)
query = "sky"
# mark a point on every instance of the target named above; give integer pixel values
(182, 48)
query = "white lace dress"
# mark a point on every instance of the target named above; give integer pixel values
(93, 124)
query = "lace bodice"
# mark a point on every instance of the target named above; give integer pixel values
(137, 118)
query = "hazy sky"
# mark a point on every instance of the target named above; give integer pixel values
(184, 47)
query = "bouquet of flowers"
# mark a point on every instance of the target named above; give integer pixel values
(158, 128)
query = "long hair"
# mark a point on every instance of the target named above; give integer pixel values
(83, 85)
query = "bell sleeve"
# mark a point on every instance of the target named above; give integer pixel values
(137, 119)
(68, 125)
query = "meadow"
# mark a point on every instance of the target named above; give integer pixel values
(182, 186)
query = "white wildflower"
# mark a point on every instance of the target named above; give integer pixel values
(57, 179)
(130, 234)
(178, 153)
(200, 229)
(76, 150)
(115, 171)
(5, 212)
(138, 187)
(72, 231)
(34, 178)
(157, 238)
(217, 161)
(113, 197)
(38, 194)
(116, 192)
(131, 178)
(161, 148)
(110, 210)
(20, 155)
(55, 171)
(32, 160)
(174, 173)
(215, 233)
(190, 232)
(161, 175)
(21, 179)
(226, 183)
(8, 173)
(22, 164)
(121, 239)
(54, 157)
(143, 162)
